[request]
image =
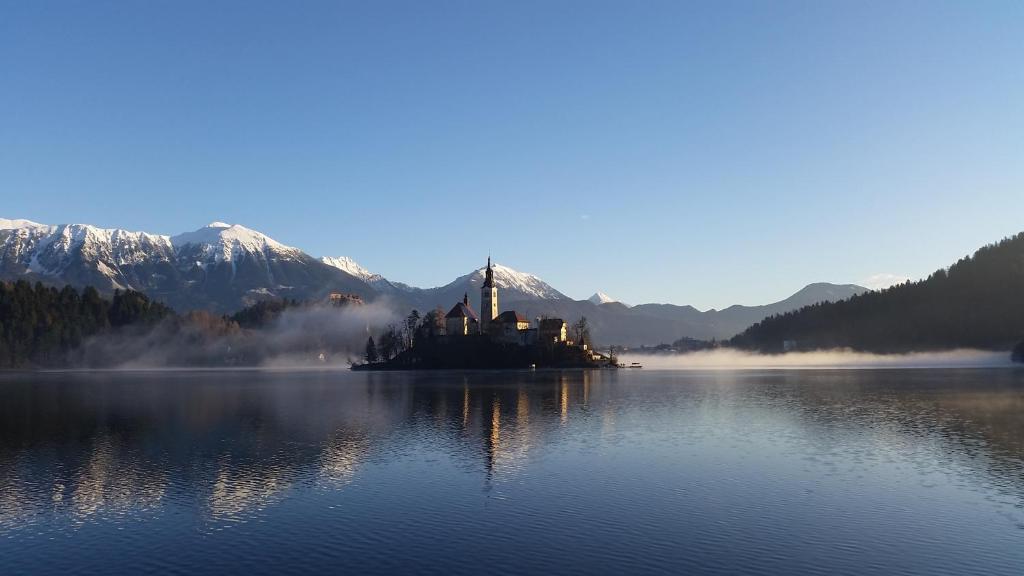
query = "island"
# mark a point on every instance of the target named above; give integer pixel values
(465, 339)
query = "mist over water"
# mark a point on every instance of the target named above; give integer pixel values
(320, 335)
(730, 359)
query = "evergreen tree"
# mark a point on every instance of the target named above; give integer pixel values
(371, 351)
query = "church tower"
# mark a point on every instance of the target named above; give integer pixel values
(488, 299)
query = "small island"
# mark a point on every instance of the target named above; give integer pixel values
(464, 339)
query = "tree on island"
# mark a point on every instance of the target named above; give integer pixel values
(581, 331)
(371, 351)
(411, 322)
(390, 342)
(430, 326)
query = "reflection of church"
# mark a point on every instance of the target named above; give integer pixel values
(508, 326)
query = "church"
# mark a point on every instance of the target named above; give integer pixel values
(508, 326)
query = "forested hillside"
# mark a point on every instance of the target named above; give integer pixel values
(40, 325)
(977, 302)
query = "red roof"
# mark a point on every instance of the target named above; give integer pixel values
(461, 310)
(510, 316)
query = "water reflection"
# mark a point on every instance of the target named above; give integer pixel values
(230, 447)
(101, 444)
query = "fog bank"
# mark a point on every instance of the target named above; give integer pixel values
(299, 337)
(730, 359)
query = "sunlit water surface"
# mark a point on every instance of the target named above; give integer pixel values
(641, 471)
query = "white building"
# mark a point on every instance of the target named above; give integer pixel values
(462, 319)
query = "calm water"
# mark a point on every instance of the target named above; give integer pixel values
(901, 471)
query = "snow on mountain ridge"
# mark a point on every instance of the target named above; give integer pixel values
(510, 279)
(53, 247)
(349, 265)
(223, 242)
(17, 223)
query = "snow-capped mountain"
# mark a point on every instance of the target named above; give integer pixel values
(220, 242)
(601, 298)
(520, 284)
(221, 267)
(513, 286)
(224, 267)
(379, 283)
(108, 258)
(351, 266)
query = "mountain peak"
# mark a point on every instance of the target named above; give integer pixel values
(506, 278)
(225, 242)
(602, 298)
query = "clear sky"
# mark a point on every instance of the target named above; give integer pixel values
(687, 152)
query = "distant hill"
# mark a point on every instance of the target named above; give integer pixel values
(977, 302)
(616, 323)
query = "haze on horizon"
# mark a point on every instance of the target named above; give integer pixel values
(695, 153)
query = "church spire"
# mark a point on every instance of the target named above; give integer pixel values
(488, 298)
(489, 275)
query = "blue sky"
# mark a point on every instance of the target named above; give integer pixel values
(696, 153)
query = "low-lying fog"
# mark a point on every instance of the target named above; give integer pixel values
(726, 359)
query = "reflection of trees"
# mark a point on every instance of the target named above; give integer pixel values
(235, 442)
(232, 442)
(113, 478)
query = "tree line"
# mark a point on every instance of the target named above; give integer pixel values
(40, 325)
(978, 302)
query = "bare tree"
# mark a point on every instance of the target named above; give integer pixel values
(581, 331)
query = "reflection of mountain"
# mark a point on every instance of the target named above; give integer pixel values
(231, 443)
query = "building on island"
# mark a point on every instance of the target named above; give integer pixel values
(462, 319)
(511, 320)
(552, 330)
(509, 326)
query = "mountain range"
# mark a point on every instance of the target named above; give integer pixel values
(223, 267)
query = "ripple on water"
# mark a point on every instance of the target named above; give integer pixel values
(884, 472)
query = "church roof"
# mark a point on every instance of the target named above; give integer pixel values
(510, 316)
(462, 310)
(552, 323)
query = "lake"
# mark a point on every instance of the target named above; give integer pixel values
(628, 472)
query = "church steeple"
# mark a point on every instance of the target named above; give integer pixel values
(488, 298)
(489, 275)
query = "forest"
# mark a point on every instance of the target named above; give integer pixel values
(978, 302)
(42, 325)
(47, 327)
